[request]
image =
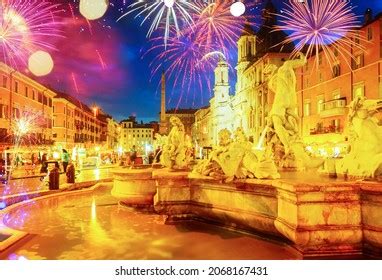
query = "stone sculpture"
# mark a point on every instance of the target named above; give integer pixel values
(177, 150)
(282, 122)
(234, 158)
(365, 136)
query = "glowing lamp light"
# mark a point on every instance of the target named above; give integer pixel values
(56, 155)
(22, 127)
(40, 63)
(93, 9)
(169, 3)
(237, 9)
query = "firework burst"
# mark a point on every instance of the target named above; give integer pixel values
(25, 125)
(316, 25)
(165, 14)
(216, 26)
(184, 62)
(26, 26)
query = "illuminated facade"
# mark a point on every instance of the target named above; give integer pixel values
(249, 106)
(75, 124)
(20, 95)
(136, 134)
(325, 90)
(113, 134)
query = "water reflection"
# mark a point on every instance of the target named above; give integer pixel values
(96, 227)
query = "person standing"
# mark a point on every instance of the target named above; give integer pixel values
(65, 159)
(44, 164)
(133, 155)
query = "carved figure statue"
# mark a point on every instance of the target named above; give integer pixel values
(232, 159)
(282, 119)
(283, 83)
(365, 157)
(177, 148)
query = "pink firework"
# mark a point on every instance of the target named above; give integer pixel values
(26, 26)
(215, 25)
(315, 25)
(183, 60)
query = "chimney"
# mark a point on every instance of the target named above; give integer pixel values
(368, 15)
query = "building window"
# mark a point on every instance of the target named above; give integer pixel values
(16, 113)
(358, 91)
(16, 87)
(26, 91)
(335, 51)
(5, 81)
(358, 61)
(45, 100)
(307, 108)
(369, 34)
(356, 38)
(320, 103)
(33, 95)
(40, 97)
(50, 102)
(3, 111)
(336, 70)
(336, 95)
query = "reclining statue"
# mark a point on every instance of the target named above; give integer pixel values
(365, 135)
(234, 158)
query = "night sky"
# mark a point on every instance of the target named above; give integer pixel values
(102, 63)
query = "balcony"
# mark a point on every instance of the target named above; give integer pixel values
(326, 130)
(333, 108)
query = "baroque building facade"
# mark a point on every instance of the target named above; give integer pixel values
(249, 105)
(324, 88)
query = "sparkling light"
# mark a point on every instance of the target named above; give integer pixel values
(40, 63)
(169, 3)
(317, 25)
(26, 26)
(237, 9)
(184, 62)
(93, 9)
(216, 26)
(164, 15)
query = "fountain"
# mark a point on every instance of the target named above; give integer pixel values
(240, 186)
(244, 186)
(136, 186)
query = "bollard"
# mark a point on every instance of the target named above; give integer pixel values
(54, 179)
(70, 174)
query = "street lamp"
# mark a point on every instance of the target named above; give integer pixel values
(95, 111)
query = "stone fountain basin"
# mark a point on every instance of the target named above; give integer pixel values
(134, 186)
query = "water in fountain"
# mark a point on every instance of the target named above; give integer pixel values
(261, 140)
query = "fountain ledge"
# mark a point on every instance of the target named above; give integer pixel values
(320, 219)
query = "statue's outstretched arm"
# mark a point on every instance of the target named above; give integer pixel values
(299, 62)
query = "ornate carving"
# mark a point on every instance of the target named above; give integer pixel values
(365, 135)
(236, 159)
(282, 123)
